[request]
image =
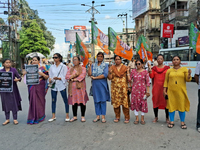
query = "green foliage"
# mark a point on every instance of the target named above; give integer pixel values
(32, 40)
(1, 21)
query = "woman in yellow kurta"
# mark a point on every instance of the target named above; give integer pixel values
(175, 91)
(119, 88)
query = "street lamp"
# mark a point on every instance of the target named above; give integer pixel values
(121, 15)
(92, 10)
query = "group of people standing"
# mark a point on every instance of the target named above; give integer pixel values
(169, 89)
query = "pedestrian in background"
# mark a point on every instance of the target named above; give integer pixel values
(37, 94)
(11, 101)
(197, 76)
(57, 75)
(119, 88)
(175, 91)
(157, 73)
(77, 94)
(99, 72)
(131, 64)
(155, 63)
(140, 90)
(70, 65)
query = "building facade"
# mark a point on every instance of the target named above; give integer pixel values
(148, 24)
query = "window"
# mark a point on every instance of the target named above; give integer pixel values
(152, 16)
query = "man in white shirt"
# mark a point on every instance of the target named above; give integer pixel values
(197, 79)
(131, 64)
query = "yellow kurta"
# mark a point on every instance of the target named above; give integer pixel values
(119, 89)
(175, 81)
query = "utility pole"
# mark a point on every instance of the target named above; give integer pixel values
(121, 15)
(93, 11)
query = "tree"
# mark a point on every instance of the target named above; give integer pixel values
(32, 40)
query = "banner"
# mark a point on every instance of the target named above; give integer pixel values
(118, 46)
(167, 30)
(6, 81)
(99, 38)
(32, 76)
(194, 38)
(82, 50)
(143, 49)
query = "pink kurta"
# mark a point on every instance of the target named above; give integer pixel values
(78, 95)
(140, 81)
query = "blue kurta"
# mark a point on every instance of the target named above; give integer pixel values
(100, 88)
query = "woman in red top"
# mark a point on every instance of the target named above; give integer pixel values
(157, 73)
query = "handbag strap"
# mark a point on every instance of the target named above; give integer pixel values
(59, 71)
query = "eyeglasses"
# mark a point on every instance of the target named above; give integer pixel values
(75, 59)
(55, 57)
(137, 64)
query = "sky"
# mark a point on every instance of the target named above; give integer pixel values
(64, 14)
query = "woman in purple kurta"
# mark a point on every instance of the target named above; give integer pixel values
(37, 94)
(11, 101)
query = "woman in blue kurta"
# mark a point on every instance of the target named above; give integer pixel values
(99, 72)
(11, 101)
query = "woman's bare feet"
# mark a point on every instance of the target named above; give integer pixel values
(6, 122)
(155, 120)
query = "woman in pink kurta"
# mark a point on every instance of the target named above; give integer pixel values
(77, 94)
(140, 91)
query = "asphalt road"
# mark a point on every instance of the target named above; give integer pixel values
(60, 135)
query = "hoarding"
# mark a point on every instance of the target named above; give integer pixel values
(6, 81)
(70, 35)
(79, 27)
(182, 41)
(139, 7)
(32, 75)
(167, 30)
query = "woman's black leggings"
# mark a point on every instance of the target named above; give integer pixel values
(156, 112)
(75, 107)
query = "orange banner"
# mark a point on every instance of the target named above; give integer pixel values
(86, 58)
(102, 41)
(123, 50)
(149, 55)
(198, 44)
(142, 52)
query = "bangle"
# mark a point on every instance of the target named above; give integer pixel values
(128, 74)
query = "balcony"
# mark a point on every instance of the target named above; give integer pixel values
(180, 14)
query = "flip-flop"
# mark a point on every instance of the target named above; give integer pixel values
(5, 123)
(170, 125)
(116, 120)
(155, 120)
(103, 120)
(183, 126)
(142, 122)
(15, 122)
(83, 120)
(136, 122)
(72, 120)
(126, 121)
(96, 120)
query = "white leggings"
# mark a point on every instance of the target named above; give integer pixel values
(136, 113)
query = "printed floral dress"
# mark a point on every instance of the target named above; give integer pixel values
(140, 82)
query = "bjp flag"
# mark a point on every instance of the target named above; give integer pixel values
(142, 52)
(118, 46)
(82, 50)
(99, 38)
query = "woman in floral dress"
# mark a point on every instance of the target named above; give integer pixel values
(140, 90)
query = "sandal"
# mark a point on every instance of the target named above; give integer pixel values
(143, 122)
(155, 120)
(73, 119)
(15, 122)
(103, 120)
(183, 126)
(136, 122)
(96, 120)
(170, 125)
(116, 120)
(82, 119)
(126, 121)
(6, 122)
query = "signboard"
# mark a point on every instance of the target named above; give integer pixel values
(167, 30)
(139, 7)
(70, 35)
(6, 81)
(32, 76)
(79, 27)
(182, 41)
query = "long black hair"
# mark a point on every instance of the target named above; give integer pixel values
(38, 58)
(59, 56)
(5, 60)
